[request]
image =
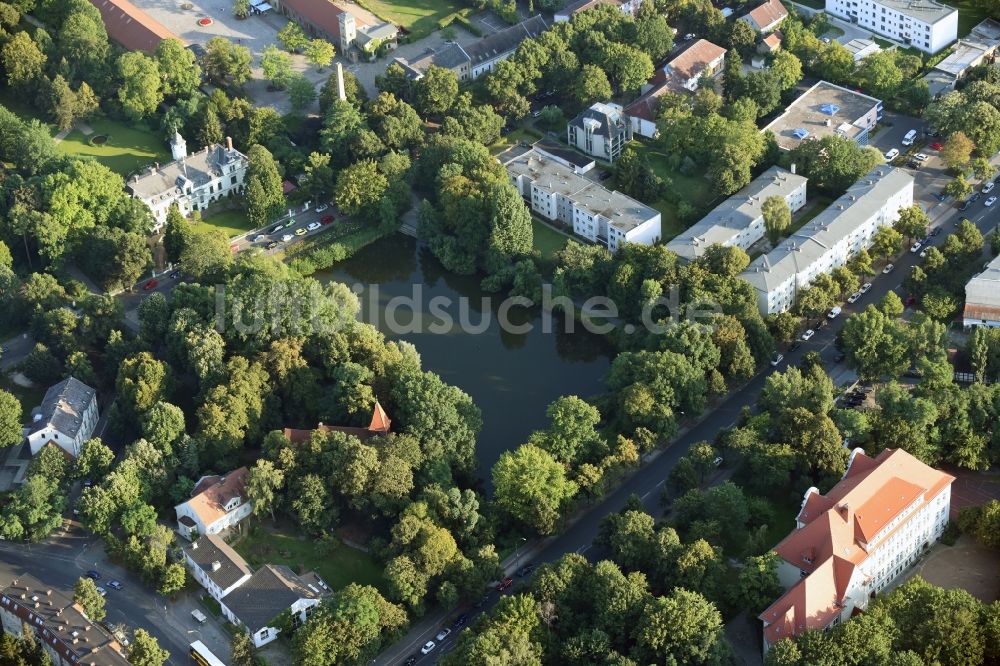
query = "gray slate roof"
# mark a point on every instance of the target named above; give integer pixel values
(607, 119)
(266, 594)
(63, 407)
(199, 168)
(208, 550)
(505, 41)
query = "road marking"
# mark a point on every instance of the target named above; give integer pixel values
(664, 480)
(583, 549)
(646, 495)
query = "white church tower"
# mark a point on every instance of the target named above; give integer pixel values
(178, 147)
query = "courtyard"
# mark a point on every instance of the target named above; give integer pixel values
(968, 565)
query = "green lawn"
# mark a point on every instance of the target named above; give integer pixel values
(547, 240)
(784, 521)
(231, 222)
(14, 102)
(521, 134)
(337, 566)
(695, 189)
(126, 150)
(420, 17)
(819, 205)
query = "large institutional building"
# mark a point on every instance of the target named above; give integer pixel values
(826, 109)
(850, 543)
(830, 239)
(739, 220)
(190, 181)
(554, 189)
(923, 24)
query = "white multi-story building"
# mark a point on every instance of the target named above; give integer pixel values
(739, 220)
(600, 131)
(215, 565)
(826, 109)
(982, 298)
(830, 239)
(217, 503)
(190, 181)
(923, 24)
(66, 418)
(556, 191)
(852, 542)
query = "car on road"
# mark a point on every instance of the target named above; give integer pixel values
(808, 334)
(536, 114)
(834, 313)
(935, 231)
(990, 201)
(505, 583)
(101, 591)
(286, 238)
(150, 284)
(936, 146)
(892, 154)
(778, 358)
(313, 226)
(988, 187)
(915, 247)
(199, 617)
(865, 287)
(923, 253)
(717, 462)
(412, 659)
(301, 231)
(115, 585)
(326, 219)
(271, 245)
(525, 570)
(921, 157)
(276, 228)
(93, 575)
(443, 634)
(428, 646)
(888, 269)
(320, 208)
(175, 275)
(853, 298)
(459, 621)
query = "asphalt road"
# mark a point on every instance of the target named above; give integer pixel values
(648, 481)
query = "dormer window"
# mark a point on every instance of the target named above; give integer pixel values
(232, 504)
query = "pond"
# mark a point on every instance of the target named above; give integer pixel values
(511, 375)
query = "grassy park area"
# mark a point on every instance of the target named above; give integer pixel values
(230, 222)
(547, 240)
(123, 149)
(695, 189)
(419, 17)
(338, 565)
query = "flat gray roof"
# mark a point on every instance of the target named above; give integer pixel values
(735, 214)
(823, 102)
(927, 11)
(812, 241)
(622, 211)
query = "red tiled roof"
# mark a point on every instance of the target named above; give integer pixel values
(130, 26)
(323, 14)
(695, 59)
(379, 425)
(768, 14)
(212, 493)
(773, 40)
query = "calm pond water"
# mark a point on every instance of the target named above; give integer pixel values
(511, 376)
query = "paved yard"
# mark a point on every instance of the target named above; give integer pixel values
(967, 565)
(972, 489)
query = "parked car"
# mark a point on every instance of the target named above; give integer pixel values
(460, 621)
(412, 659)
(808, 334)
(301, 231)
(888, 269)
(150, 284)
(853, 298)
(276, 228)
(990, 201)
(778, 358)
(913, 164)
(965, 205)
(320, 208)
(688, 37)
(935, 231)
(505, 583)
(93, 575)
(839, 357)
(975, 197)
(915, 248)
(115, 585)
(525, 570)
(936, 146)
(834, 313)
(536, 114)
(286, 238)
(101, 591)
(910, 300)
(272, 245)
(313, 226)
(717, 462)
(795, 345)
(988, 187)
(865, 287)
(923, 253)
(428, 646)
(326, 219)
(892, 154)
(443, 634)
(175, 275)
(199, 617)
(921, 157)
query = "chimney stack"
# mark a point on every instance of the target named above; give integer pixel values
(341, 94)
(229, 143)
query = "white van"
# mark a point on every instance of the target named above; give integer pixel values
(834, 313)
(910, 138)
(199, 616)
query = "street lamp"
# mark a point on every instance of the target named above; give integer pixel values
(517, 553)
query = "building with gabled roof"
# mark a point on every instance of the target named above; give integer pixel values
(485, 53)
(739, 220)
(340, 24)
(215, 565)
(131, 27)
(379, 425)
(270, 591)
(600, 131)
(766, 17)
(217, 503)
(66, 418)
(627, 7)
(850, 543)
(59, 624)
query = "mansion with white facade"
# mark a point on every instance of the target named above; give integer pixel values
(190, 181)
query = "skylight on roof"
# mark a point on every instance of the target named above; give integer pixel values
(829, 109)
(800, 133)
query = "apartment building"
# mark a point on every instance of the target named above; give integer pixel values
(59, 624)
(557, 192)
(739, 221)
(600, 131)
(190, 181)
(925, 25)
(826, 109)
(849, 544)
(830, 239)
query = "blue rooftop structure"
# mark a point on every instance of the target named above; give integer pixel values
(829, 109)
(800, 133)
